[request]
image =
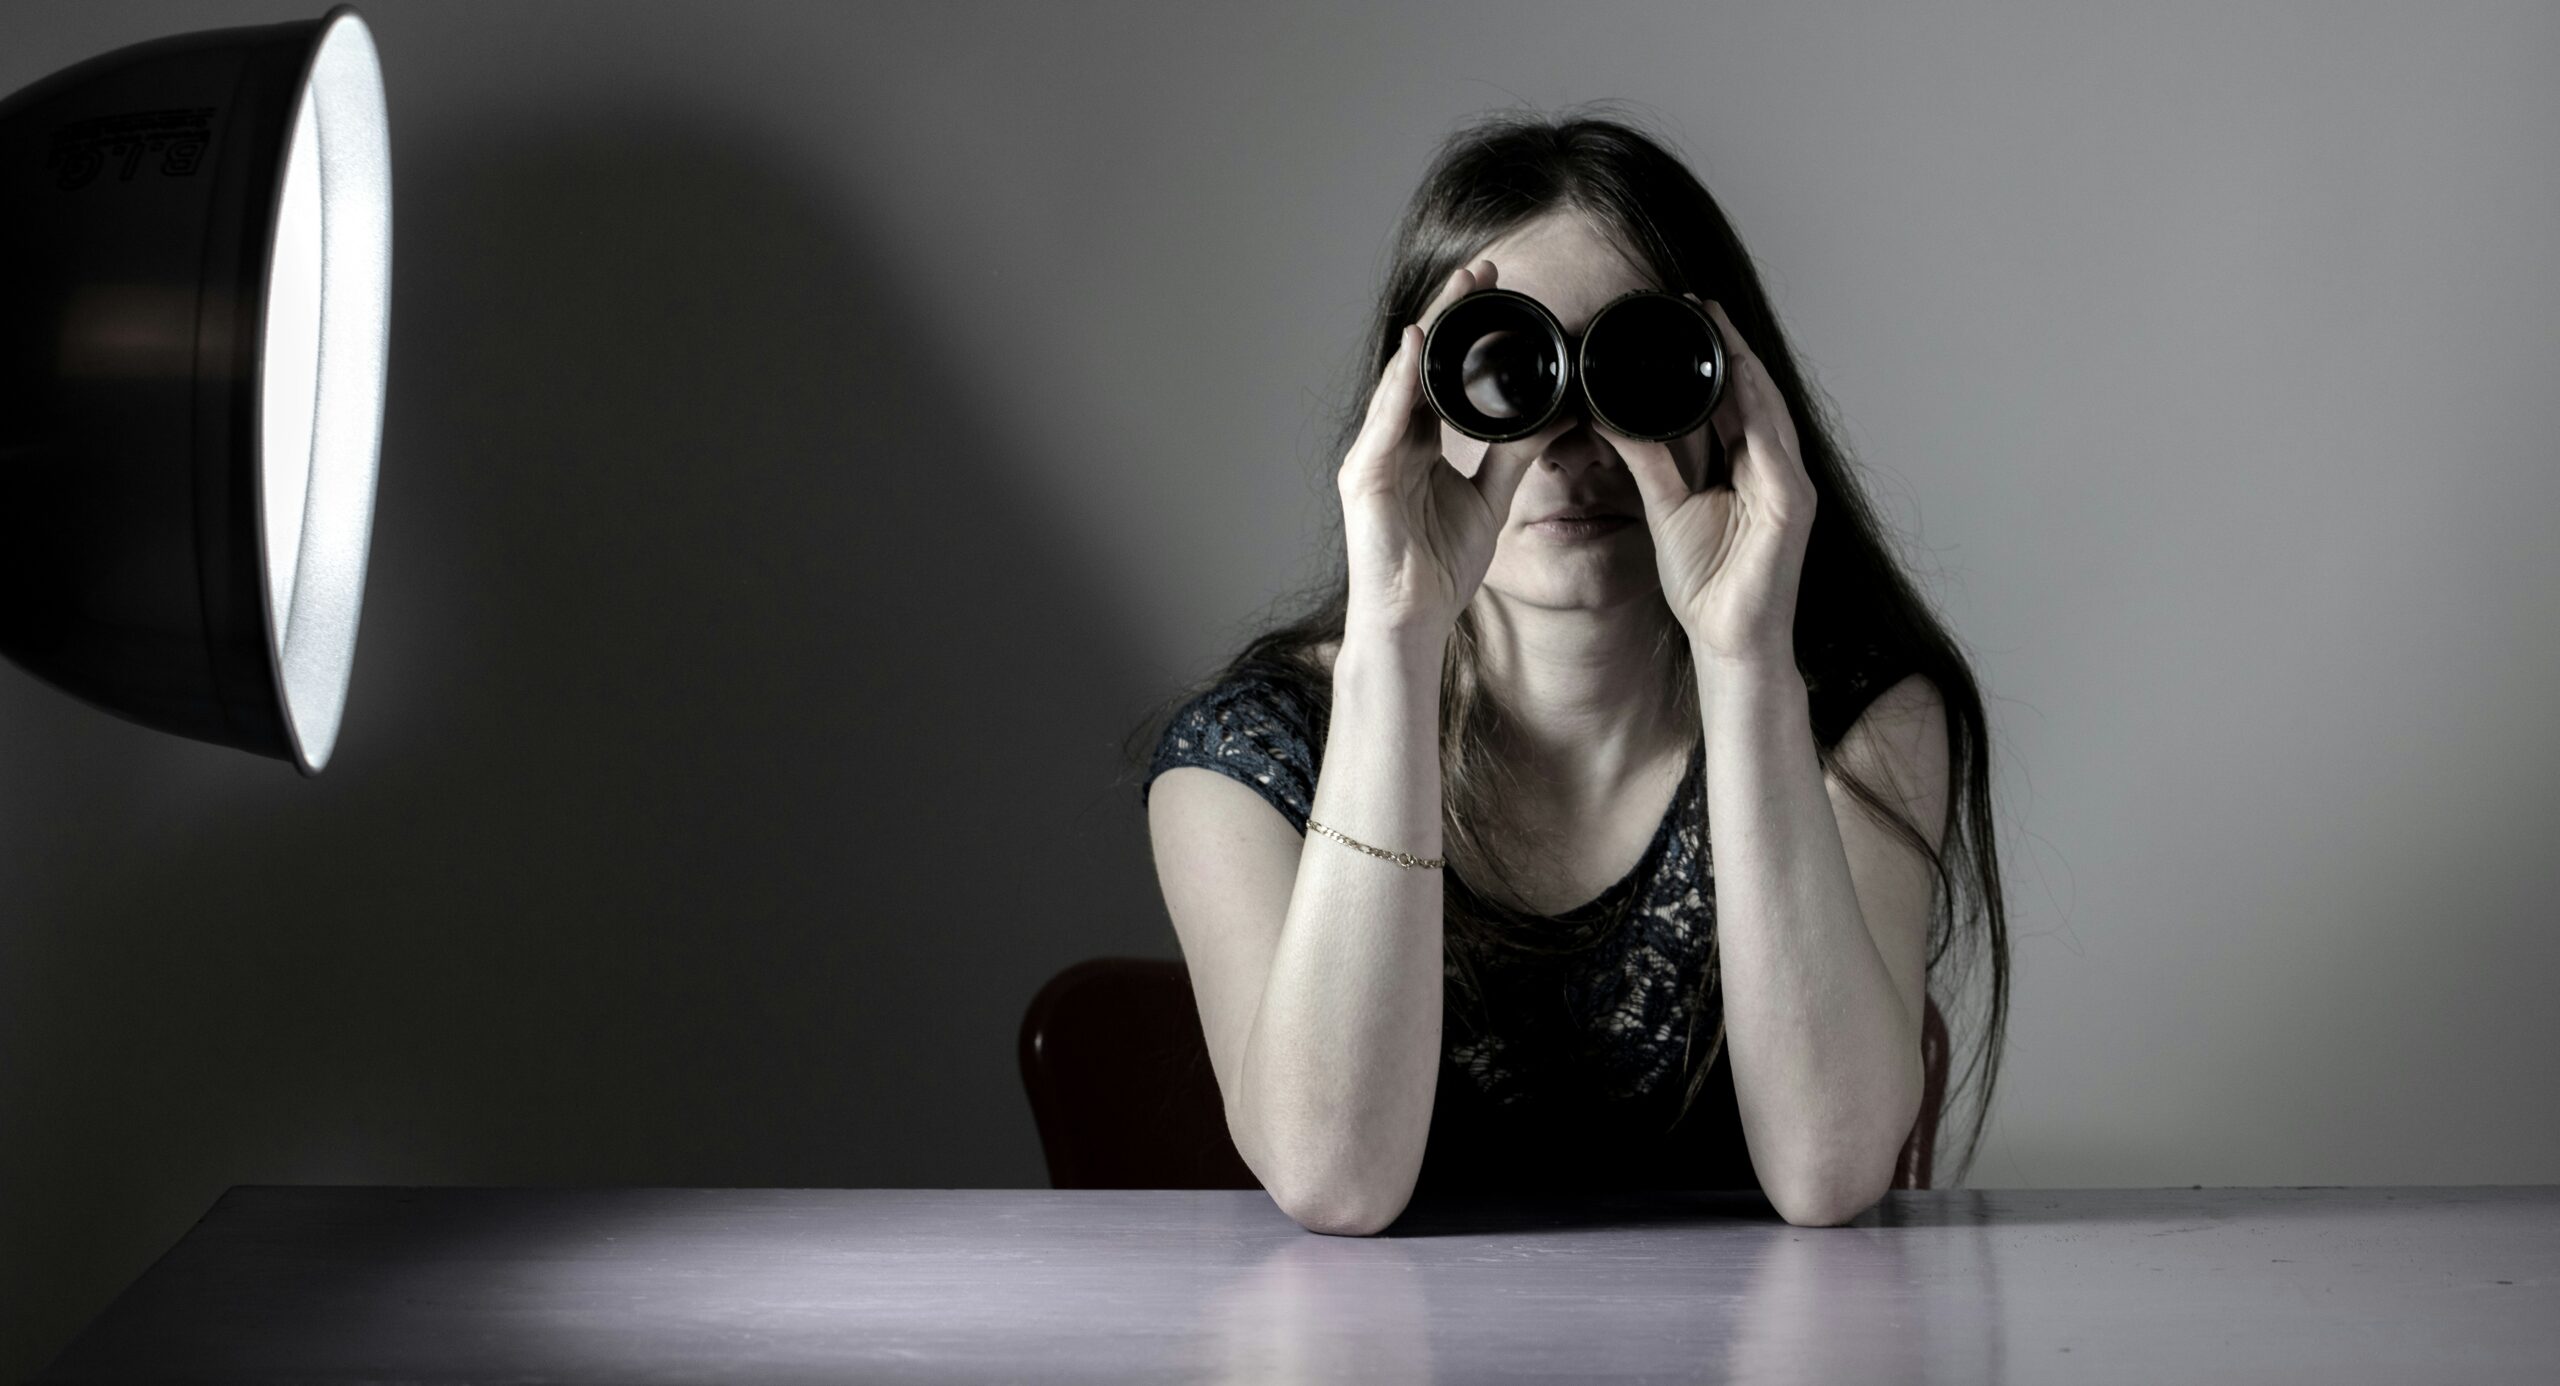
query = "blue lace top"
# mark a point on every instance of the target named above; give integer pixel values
(1562, 1067)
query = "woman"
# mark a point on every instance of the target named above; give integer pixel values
(1395, 835)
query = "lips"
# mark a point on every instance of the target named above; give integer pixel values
(1584, 512)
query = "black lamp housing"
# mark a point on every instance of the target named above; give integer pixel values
(194, 315)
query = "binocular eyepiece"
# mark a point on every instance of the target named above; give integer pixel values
(1498, 366)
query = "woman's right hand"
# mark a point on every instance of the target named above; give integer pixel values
(1418, 532)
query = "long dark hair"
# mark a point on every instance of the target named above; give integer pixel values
(1860, 624)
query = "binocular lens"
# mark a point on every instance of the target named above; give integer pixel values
(1652, 366)
(1505, 376)
(1495, 366)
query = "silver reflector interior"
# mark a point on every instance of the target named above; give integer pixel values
(324, 347)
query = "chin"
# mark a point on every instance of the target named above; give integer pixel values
(1594, 589)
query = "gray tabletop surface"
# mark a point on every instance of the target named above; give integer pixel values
(2330, 1285)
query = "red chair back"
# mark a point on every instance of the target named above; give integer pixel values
(1118, 1075)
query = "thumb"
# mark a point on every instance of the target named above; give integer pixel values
(1498, 477)
(1657, 475)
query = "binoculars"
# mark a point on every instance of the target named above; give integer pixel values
(1498, 366)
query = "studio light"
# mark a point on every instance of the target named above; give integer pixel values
(195, 292)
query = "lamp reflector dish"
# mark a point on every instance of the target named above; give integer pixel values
(326, 339)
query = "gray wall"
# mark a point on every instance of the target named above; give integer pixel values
(817, 433)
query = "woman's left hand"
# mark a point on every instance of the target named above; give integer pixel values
(1730, 556)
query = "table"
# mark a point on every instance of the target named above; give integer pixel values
(2332, 1285)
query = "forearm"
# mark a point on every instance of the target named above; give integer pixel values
(1343, 1055)
(1825, 1053)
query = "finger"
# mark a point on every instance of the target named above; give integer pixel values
(1757, 432)
(1390, 416)
(1659, 482)
(1748, 383)
(1728, 416)
(1736, 350)
(1464, 280)
(1725, 421)
(1422, 424)
(1392, 405)
(1734, 423)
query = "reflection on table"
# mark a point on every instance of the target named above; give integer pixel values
(647, 1285)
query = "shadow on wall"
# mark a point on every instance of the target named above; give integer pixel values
(730, 758)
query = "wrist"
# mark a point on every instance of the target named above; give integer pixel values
(1405, 646)
(1748, 680)
(1739, 668)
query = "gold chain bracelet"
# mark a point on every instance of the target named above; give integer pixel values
(1399, 858)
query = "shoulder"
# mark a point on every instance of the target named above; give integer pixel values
(1899, 744)
(1256, 727)
(1897, 725)
(1252, 706)
(1847, 675)
(1910, 701)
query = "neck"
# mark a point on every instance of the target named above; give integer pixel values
(1581, 692)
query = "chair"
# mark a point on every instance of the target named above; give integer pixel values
(1120, 1084)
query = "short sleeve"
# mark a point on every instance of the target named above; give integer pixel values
(1253, 731)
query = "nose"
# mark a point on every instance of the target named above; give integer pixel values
(1579, 449)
